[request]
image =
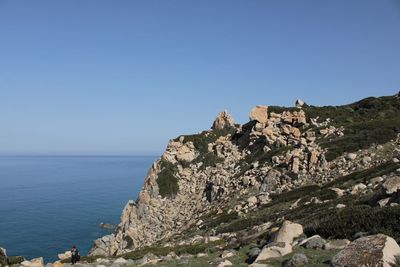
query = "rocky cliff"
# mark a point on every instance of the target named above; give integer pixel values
(302, 163)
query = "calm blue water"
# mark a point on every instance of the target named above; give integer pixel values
(47, 204)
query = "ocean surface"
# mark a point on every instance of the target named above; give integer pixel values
(48, 204)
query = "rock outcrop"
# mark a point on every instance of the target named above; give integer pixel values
(223, 121)
(3, 257)
(238, 182)
(377, 250)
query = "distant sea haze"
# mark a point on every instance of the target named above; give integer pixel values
(49, 203)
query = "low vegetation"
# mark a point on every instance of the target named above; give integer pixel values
(167, 181)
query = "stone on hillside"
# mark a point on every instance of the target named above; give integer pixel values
(274, 250)
(336, 244)
(225, 263)
(254, 252)
(186, 153)
(259, 265)
(60, 264)
(120, 261)
(313, 242)
(339, 192)
(37, 262)
(351, 156)
(384, 202)
(227, 254)
(288, 232)
(298, 259)
(259, 113)
(299, 103)
(252, 201)
(376, 250)
(391, 185)
(340, 206)
(376, 180)
(358, 188)
(223, 121)
(65, 255)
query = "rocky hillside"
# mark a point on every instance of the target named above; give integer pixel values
(296, 186)
(301, 163)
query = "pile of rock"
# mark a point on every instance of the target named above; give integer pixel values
(223, 121)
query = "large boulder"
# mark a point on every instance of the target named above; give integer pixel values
(376, 250)
(259, 113)
(65, 255)
(223, 121)
(336, 244)
(298, 259)
(391, 185)
(288, 232)
(313, 242)
(274, 250)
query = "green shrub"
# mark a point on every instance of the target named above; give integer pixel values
(219, 219)
(15, 260)
(192, 249)
(364, 175)
(344, 223)
(129, 241)
(166, 180)
(201, 140)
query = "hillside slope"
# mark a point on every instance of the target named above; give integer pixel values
(326, 168)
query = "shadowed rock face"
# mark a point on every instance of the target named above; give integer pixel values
(3, 257)
(377, 250)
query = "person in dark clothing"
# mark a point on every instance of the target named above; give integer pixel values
(75, 256)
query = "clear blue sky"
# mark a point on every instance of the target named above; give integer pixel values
(123, 77)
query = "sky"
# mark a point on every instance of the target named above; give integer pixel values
(122, 77)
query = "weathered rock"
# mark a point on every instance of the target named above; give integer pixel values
(65, 255)
(298, 259)
(225, 263)
(336, 244)
(120, 261)
(288, 232)
(223, 121)
(254, 252)
(60, 264)
(299, 103)
(351, 156)
(313, 242)
(377, 250)
(274, 250)
(391, 185)
(259, 113)
(252, 201)
(227, 254)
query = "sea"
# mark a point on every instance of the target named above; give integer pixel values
(50, 203)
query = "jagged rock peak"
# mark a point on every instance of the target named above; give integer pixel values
(299, 103)
(224, 120)
(259, 113)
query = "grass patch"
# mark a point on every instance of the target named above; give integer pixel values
(316, 257)
(179, 250)
(218, 220)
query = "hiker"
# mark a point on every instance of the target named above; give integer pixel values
(75, 255)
